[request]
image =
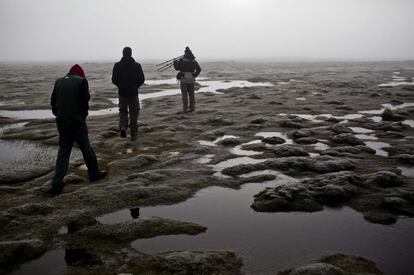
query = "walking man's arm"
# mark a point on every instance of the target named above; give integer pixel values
(84, 98)
(198, 69)
(53, 101)
(141, 77)
(115, 75)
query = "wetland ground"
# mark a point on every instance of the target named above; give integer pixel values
(282, 164)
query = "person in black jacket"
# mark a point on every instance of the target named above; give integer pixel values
(128, 76)
(69, 103)
(189, 70)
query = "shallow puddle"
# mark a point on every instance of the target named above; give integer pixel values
(397, 80)
(409, 123)
(241, 152)
(366, 137)
(407, 171)
(361, 130)
(287, 82)
(376, 118)
(225, 137)
(167, 81)
(23, 156)
(314, 118)
(209, 86)
(235, 161)
(269, 242)
(361, 133)
(377, 146)
(215, 142)
(267, 172)
(320, 146)
(206, 143)
(15, 154)
(51, 263)
(387, 106)
(205, 159)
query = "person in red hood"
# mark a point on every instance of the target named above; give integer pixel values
(76, 69)
(69, 103)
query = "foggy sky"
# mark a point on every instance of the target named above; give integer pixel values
(62, 30)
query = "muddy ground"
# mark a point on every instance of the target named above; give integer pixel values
(330, 157)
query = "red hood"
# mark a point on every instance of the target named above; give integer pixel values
(76, 69)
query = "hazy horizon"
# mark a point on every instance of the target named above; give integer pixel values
(216, 30)
(212, 60)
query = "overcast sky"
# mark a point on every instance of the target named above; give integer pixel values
(62, 30)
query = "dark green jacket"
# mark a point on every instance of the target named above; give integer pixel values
(69, 100)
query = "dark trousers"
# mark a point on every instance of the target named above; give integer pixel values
(67, 136)
(187, 94)
(131, 104)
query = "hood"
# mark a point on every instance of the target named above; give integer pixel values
(76, 69)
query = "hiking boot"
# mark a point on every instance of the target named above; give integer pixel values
(98, 176)
(123, 133)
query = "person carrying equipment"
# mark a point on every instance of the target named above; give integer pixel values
(188, 69)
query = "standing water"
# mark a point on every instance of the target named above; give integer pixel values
(210, 86)
(269, 242)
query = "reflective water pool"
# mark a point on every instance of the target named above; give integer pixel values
(274, 241)
(208, 86)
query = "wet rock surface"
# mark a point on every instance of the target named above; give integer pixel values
(183, 262)
(293, 165)
(347, 139)
(337, 264)
(13, 253)
(136, 162)
(377, 195)
(389, 115)
(135, 229)
(80, 223)
(384, 179)
(274, 140)
(19, 176)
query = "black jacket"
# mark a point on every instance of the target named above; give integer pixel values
(70, 99)
(128, 76)
(187, 65)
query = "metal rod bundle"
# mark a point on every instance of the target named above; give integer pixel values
(167, 64)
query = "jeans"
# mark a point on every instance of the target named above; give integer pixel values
(131, 103)
(67, 136)
(187, 94)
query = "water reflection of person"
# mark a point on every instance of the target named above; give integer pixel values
(80, 256)
(134, 212)
(189, 70)
(69, 103)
